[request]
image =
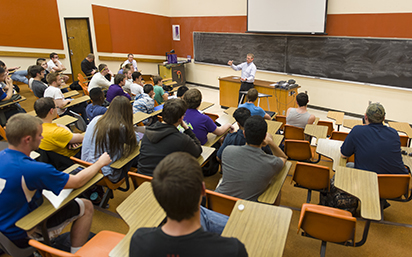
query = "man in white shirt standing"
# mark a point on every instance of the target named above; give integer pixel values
(130, 60)
(99, 80)
(248, 73)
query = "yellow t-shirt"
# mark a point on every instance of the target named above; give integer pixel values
(55, 139)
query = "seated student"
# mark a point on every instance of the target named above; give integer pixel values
(6, 92)
(87, 65)
(299, 117)
(123, 67)
(178, 187)
(42, 62)
(181, 91)
(56, 137)
(117, 88)
(22, 188)
(99, 79)
(37, 86)
(129, 81)
(247, 170)
(137, 87)
(163, 138)
(252, 95)
(55, 65)
(96, 108)
(200, 123)
(237, 138)
(55, 93)
(160, 95)
(112, 133)
(145, 103)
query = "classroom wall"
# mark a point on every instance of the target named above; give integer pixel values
(131, 33)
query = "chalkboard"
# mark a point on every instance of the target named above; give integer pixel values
(219, 48)
(375, 61)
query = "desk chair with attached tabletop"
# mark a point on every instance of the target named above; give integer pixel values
(299, 150)
(328, 124)
(11, 249)
(220, 203)
(138, 179)
(292, 132)
(338, 135)
(404, 140)
(83, 83)
(311, 177)
(281, 118)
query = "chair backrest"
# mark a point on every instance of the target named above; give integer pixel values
(83, 84)
(213, 116)
(11, 249)
(338, 135)
(292, 132)
(393, 186)
(404, 140)
(48, 251)
(220, 202)
(327, 224)
(298, 149)
(138, 179)
(3, 133)
(328, 124)
(281, 118)
(311, 176)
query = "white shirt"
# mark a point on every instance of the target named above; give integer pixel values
(98, 80)
(51, 65)
(248, 71)
(136, 89)
(134, 64)
(56, 94)
(128, 85)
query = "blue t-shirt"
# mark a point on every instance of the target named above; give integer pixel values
(254, 110)
(22, 180)
(200, 124)
(2, 94)
(376, 147)
(94, 110)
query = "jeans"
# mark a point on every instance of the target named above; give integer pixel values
(212, 221)
(20, 76)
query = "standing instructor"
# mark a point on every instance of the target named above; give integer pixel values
(248, 73)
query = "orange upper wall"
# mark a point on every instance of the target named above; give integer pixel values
(31, 24)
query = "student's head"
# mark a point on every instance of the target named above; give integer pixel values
(250, 57)
(118, 120)
(252, 95)
(90, 57)
(181, 91)
(302, 99)
(54, 77)
(157, 79)
(255, 130)
(43, 105)
(119, 79)
(173, 110)
(127, 73)
(193, 98)
(97, 95)
(54, 56)
(103, 69)
(42, 62)
(375, 113)
(148, 88)
(241, 115)
(3, 65)
(136, 76)
(3, 74)
(130, 57)
(128, 66)
(178, 185)
(23, 125)
(35, 70)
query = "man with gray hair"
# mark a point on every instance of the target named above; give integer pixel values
(376, 147)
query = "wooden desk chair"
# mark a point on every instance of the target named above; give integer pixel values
(404, 140)
(220, 202)
(394, 187)
(328, 124)
(107, 183)
(3, 133)
(100, 245)
(292, 132)
(311, 177)
(338, 135)
(11, 249)
(299, 150)
(327, 224)
(138, 179)
(83, 84)
(282, 119)
(213, 116)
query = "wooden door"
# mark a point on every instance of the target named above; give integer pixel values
(79, 42)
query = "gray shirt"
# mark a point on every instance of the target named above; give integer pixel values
(297, 119)
(247, 171)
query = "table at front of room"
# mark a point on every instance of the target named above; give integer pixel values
(280, 101)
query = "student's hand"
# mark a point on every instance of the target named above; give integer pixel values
(230, 62)
(104, 159)
(184, 125)
(73, 146)
(232, 128)
(9, 82)
(93, 72)
(110, 72)
(268, 139)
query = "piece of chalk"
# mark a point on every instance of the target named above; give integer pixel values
(241, 207)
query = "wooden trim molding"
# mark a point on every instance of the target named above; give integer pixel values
(29, 54)
(122, 59)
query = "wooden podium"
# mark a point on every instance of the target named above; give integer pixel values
(280, 101)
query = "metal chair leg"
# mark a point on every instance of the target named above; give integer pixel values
(323, 249)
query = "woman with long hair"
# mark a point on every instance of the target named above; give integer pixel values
(113, 133)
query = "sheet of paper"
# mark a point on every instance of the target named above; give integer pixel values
(57, 200)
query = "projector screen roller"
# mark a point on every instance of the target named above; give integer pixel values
(287, 16)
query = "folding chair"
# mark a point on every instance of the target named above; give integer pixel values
(311, 177)
(220, 202)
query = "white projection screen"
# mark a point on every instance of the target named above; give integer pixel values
(287, 16)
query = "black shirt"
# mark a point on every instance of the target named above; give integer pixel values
(88, 67)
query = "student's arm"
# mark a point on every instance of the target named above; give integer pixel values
(76, 139)
(287, 113)
(165, 96)
(195, 148)
(275, 149)
(267, 117)
(311, 119)
(222, 129)
(60, 103)
(9, 88)
(81, 178)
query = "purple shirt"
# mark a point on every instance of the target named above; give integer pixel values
(115, 90)
(200, 124)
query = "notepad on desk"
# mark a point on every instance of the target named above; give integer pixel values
(56, 200)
